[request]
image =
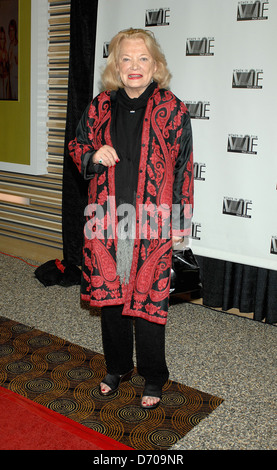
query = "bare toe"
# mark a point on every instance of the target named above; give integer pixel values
(104, 388)
(148, 402)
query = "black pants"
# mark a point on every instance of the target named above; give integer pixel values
(118, 344)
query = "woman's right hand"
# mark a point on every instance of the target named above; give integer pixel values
(106, 156)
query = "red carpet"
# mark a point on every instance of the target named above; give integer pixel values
(26, 425)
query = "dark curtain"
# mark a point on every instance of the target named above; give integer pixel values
(226, 285)
(229, 285)
(80, 88)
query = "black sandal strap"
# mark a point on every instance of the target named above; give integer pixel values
(151, 390)
(112, 381)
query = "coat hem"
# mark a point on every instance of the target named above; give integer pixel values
(101, 303)
(131, 313)
(145, 316)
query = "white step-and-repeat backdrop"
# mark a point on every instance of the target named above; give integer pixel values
(222, 55)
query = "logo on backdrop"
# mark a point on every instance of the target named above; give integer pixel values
(247, 78)
(200, 47)
(242, 144)
(237, 207)
(195, 231)
(199, 171)
(157, 17)
(273, 246)
(105, 50)
(252, 11)
(198, 109)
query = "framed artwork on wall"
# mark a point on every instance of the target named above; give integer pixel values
(23, 85)
(9, 50)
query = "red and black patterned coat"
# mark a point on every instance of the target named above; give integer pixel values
(165, 178)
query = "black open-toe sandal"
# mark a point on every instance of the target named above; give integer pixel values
(151, 391)
(113, 381)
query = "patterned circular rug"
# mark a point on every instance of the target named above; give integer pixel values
(65, 378)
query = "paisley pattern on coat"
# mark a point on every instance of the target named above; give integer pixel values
(165, 178)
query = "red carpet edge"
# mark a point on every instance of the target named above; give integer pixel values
(74, 435)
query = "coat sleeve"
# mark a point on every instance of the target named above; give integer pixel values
(183, 186)
(82, 148)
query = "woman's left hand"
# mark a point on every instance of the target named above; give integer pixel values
(176, 240)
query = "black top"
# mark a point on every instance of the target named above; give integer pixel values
(127, 123)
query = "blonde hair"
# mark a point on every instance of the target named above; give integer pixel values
(110, 76)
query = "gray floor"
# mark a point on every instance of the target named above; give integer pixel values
(218, 353)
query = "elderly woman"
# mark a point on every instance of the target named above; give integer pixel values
(134, 144)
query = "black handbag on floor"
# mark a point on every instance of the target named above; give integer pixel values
(56, 272)
(185, 273)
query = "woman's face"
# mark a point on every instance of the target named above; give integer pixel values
(135, 66)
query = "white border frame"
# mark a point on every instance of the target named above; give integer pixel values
(39, 92)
